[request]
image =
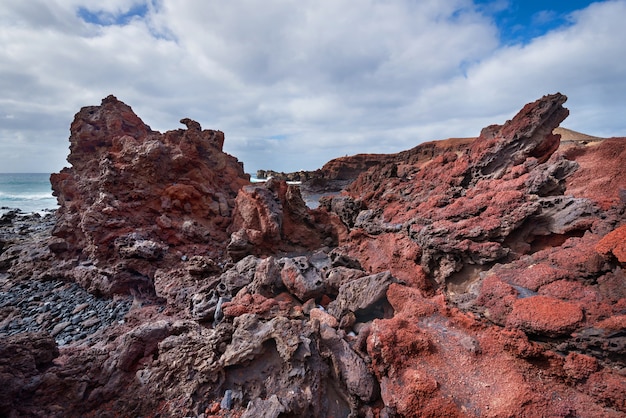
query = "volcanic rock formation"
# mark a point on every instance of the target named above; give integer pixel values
(467, 277)
(135, 200)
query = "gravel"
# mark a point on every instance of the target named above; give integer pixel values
(65, 310)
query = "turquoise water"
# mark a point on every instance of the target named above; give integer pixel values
(29, 192)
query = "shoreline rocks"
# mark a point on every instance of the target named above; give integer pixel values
(64, 310)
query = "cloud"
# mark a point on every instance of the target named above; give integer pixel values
(580, 60)
(294, 84)
(325, 74)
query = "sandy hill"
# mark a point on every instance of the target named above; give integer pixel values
(568, 135)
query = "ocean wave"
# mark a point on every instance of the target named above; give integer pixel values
(26, 196)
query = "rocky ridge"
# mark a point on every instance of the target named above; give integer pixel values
(462, 278)
(339, 172)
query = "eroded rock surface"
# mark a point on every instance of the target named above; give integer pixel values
(135, 199)
(469, 278)
(272, 217)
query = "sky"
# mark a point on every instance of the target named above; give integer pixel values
(294, 84)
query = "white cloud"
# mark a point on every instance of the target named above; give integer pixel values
(294, 84)
(582, 61)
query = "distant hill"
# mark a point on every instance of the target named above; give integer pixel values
(567, 135)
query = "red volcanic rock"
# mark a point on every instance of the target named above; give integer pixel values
(460, 209)
(427, 355)
(348, 168)
(336, 174)
(516, 342)
(614, 323)
(501, 202)
(614, 243)
(537, 275)
(580, 366)
(602, 173)
(469, 278)
(496, 298)
(527, 135)
(609, 389)
(141, 342)
(135, 199)
(272, 217)
(393, 252)
(23, 359)
(324, 318)
(545, 316)
(410, 301)
(246, 303)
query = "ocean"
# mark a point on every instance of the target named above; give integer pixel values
(29, 192)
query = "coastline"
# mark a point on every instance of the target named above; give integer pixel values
(26, 192)
(4, 210)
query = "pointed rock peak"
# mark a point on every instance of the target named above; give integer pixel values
(191, 124)
(539, 117)
(110, 99)
(528, 134)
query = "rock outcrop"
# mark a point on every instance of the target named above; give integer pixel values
(461, 208)
(338, 173)
(468, 277)
(272, 217)
(510, 232)
(135, 199)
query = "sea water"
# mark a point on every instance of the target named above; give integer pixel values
(29, 192)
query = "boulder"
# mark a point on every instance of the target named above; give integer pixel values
(365, 297)
(302, 279)
(349, 366)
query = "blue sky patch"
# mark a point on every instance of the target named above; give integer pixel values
(520, 21)
(102, 18)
